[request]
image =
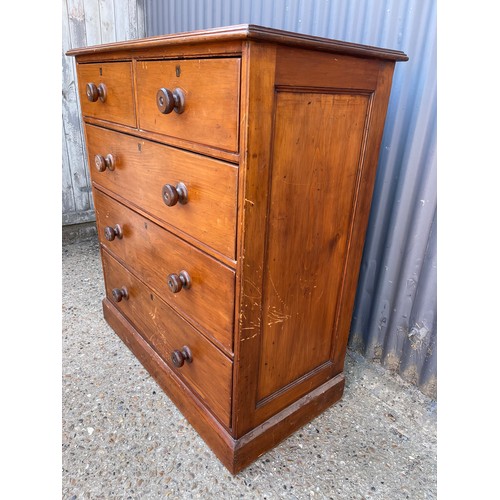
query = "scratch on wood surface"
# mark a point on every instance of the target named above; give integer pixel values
(276, 316)
(248, 338)
(277, 293)
(153, 314)
(249, 201)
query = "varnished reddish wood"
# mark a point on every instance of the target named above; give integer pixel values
(256, 142)
(95, 92)
(102, 163)
(303, 68)
(119, 103)
(231, 263)
(110, 233)
(302, 117)
(219, 48)
(243, 32)
(198, 414)
(309, 214)
(154, 254)
(180, 143)
(211, 98)
(361, 210)
(274, 430)
(179, 357)
(170, 100)
(280, 383)
(143, 168)
(175, 194)
(209, 374)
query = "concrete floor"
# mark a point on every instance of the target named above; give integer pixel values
(123, 438)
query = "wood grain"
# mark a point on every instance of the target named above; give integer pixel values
(211, 88)
(361, 209)
(230, 34)
(153, 253)
(143, 167)
(210, 373)
(119, 105)
(297, 238)
(256, 144)
(309, 216)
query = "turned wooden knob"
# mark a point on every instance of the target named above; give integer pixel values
(102, 163)
(95, 92)
(168, 100)
(178, 357)
(119, 294)
(110, 233)
(176, 282)
(173, 194)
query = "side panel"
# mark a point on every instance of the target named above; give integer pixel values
(316, 157)
(306, 191)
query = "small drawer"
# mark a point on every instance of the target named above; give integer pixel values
(195, 100)
(106, 92)
(151, 175)
(191, 357)
(199, 287)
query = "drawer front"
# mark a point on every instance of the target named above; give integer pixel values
(142, 170)
(210, 91)
(154, 254)
(118, 105)
(208, 374)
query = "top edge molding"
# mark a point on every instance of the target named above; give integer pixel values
(245, 32)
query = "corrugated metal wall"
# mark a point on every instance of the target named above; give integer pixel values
(395, 313)
(87, 22)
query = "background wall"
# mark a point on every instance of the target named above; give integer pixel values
(395, 315)
(87, 22)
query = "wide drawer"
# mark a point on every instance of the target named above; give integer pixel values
(207, 95)
(142, 170)
(118, 103)
(162, 260)
(207, 371)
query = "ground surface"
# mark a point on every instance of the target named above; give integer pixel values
(123, 438)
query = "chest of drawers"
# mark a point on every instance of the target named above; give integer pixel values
(232, 172)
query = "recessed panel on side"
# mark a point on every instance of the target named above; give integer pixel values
(312, 192)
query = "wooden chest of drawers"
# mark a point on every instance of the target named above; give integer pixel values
(232, 173)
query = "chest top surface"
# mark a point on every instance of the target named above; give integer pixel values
(240, 33)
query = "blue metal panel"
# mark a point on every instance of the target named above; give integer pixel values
(394, 319)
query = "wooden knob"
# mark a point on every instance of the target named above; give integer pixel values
(119, 294)
(179, 357)
(168, 100)
(173, 194)
(95, 92)
(102, 163)
(110, 233)
(176, 282)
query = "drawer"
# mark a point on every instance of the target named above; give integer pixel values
(208, 373)
(154, 254)
(143, 169)
(209, 90)
(118, 104)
